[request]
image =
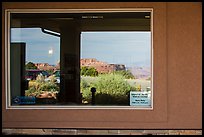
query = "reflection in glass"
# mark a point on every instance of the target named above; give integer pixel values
(80, 59)
(35, 66)
(116, 64)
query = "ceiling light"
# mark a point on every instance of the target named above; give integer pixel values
(147, 17)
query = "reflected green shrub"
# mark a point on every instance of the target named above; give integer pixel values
(111, 89)
(126, 73)
(40, 86)
(85, 90)
(88, 71)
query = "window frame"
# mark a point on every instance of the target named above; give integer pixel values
(97, 118)
(7, 54)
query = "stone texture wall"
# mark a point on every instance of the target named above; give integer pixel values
(97, 132)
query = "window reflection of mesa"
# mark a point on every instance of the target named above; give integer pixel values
(101, 67)
(46, 66)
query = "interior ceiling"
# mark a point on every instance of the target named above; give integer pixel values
(137, 21)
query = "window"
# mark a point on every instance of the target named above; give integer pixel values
(118, 65)
(86, 60)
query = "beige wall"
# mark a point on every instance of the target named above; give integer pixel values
(184, 45)
(177, 53)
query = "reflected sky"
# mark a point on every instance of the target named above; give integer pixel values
(129, 48)
(38, 45)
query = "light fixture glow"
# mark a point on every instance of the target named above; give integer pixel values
(147, 17)
(50, 51)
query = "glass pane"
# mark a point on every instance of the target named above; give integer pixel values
(118, 65)
(80, 59)
(34, 63)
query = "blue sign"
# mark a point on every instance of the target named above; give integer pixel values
(140, 98)
(24, 100)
